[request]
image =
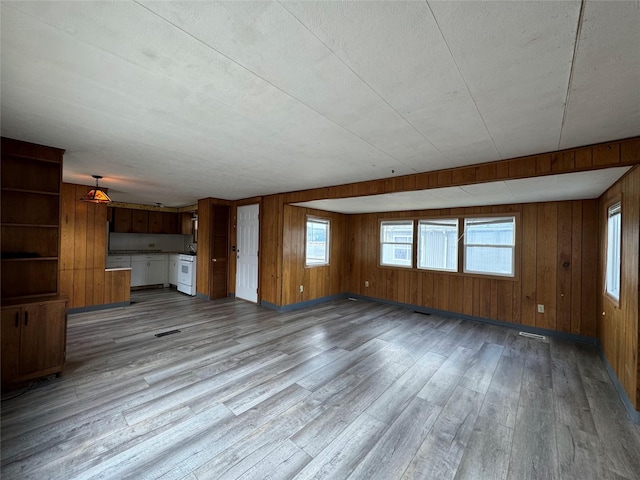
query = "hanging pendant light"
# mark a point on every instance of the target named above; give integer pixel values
(96, 195)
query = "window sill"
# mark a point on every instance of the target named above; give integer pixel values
(612, 300)
(515, 278)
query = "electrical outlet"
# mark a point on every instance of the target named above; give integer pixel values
(301, 288)
(540, 308)
(366, 283)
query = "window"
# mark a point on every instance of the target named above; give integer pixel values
(489, 245)
(396, 243)
(612, 283)
(317, 246)
(438, 244)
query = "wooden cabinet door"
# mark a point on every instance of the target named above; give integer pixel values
(11, 323)
(123, 220)
(43, 337)
(156, 222)
(219, 247)
(170, 221)
(186, 224)
(140, 220)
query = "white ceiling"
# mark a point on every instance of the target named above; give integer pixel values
(175, 101)
(568, 186)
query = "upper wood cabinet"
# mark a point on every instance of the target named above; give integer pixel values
(170, 222)
(156, 222)
(186, 223)
(30, 211)
(140, 221)
(122, 220)
(128, 220)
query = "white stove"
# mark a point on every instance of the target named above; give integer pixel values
(187, 274)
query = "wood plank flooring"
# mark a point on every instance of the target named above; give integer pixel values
(348, 389)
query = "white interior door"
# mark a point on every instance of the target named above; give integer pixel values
(247, 228)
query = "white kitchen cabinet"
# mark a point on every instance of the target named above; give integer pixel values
(149, 270)
(138, 272)
(118, 261)
(157, 270)
(173, 269)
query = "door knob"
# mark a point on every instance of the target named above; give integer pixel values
(214, 259)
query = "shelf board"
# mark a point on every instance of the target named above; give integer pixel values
(34, 298)
(29, 225)
(35, 159)
(30, 259)
(24, 190)
(30, 155)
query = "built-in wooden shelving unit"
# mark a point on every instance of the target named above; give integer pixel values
(33, 312)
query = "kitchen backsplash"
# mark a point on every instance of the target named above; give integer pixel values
(150, 242)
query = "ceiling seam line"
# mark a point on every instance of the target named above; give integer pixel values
(367, 84)
(464, 81)
(571, 70)
(267, 81)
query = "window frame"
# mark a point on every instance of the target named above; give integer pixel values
(465, 245)
(516, 248)
(616, 207)
(457, 244)
(381, 242)
(327, 248)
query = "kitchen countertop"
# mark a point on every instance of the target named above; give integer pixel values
(145, 252)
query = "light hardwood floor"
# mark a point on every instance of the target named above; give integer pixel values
(348, 389)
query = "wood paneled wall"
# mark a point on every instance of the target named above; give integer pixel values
(318, 281)
(204, 251)
(556, 251)
(618, 330)
(271, 232)
(83, 250)
(205, 232)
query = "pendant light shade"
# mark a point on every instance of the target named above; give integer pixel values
(96, 194)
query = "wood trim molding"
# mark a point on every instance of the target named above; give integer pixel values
(136, 206)
(188, 208)
(153, 208)
(247, 201)
(19, 148)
